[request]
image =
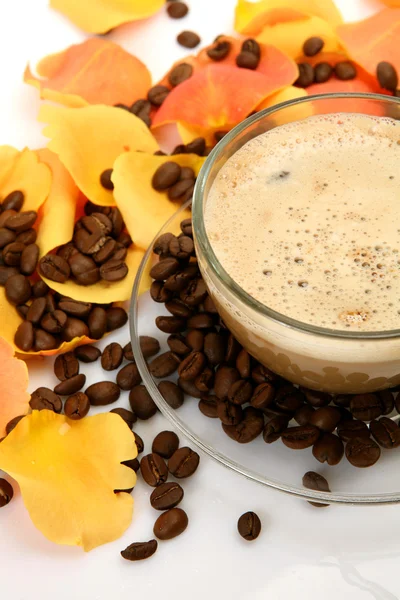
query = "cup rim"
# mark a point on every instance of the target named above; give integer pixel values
(206, 248)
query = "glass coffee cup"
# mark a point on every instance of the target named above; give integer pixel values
(332, 360)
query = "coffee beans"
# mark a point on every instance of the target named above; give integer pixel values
(345, 70)
(77, 406)
(166, 443)
(351, 429)
(66, 366)
(13, 201)
(166, 495)
(181, 72)
(103, 393)
(306, 75)
(315, 481)
(164, 365)
(171, 524)
(328, 448)
(183, 463)
(87, 353)
(325, 418)
(247, 60)
(139, 550)
(157, 94)
(112, 357)
(300, 437)
(219, 50)
(366, 406)
(188, 39)
(248, 429)
(105, 179)
(153, 469)
(171, 393)
(6, 492)
(128, 377)
(191, 366)
(18, 289)
(322, 72)
(312, 46)
(249, 526)
(386, 432)
(71, 385)
(55, 268)
(45, 399)
(24, 336)
(362, 452)
(149, 346)
(225, 377)
(274, 427)
(142, 403)
(116, 317)
(177, 10)
(126, 415)
(387, 76)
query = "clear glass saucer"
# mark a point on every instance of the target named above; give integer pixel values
(273, 465)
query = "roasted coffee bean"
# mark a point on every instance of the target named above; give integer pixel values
(224, 378)
(303, 414)
(27, 237)
(248, 429)
(71, 386)
(194, 293)
(219, 50)
(387, 401)
(24, 337)
(97, 322)
(54, 267)
(22, 310)
(188, 39)
(153, 469)
(13, 423)
(167, 495)
(312, 46)
(180, 73)
(205, 380)
(262, 396)
(251, 45)
(142, 108)
(315, 398)
(124, 239)
(112, 356)
(249, 526)
(228, 413)
(161, 245)
(149, 346)
(189, 387)
(247, 60)
(345, 70)
(103, 393)
(243, 364)
(232, 350)
(196, 146)
(138, 441)
(240, 392)
(315, 481)
(387, 76)
(7, 237)
(348, 430)
(366, 407)
(126, 415)
(186, 224)
(107, 252)
(116, 317)
(6, 492)
(29, 259)
(113, 270)
(157, 94)
(202, 320)
(12, 254)
(362, 452)
(300, 437)
(182, 191)
(66, 251)
(171, 393)
(166, 443)
(18, 289)
(306, 75)
(177, 10)
(183, 463)
(164, 365)
(50, 303)
(164, 268)
(177, 308)
(322, 72)
(87, 353)
(261, 374)
(142, 403)
(139, 550)
(181, 248)
(66, 366)
(159, 293)
(54, 322)
(5, 215)
(325, 418)
(133, 464)
(170, 324)
(288, 399)
(74, 328)
(195, 339)
(128, 352)
(342, 400)
(6, 272)
(13, 201)
(77, 406)
(209, 406)
(191, 366)
(274, 427)
(84, 269)
(21, 221)
(128, 377)
(89, 239)
(173, 522)
(345, 414)
(328, 448)
(386, 432)
(272, 411)
(214, 348)
(105, 179)
(45, 399)
(178, 344)
(36, 310)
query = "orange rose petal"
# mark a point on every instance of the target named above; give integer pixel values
(14, 398)
(99, 17)
(25, 172)
(144, 209)
(76, 76)
(354, 85)
(88, 140)
(289, 114)
(68, 471)
(252, 17)
(218, 97)
(392, 3)
(373, 40)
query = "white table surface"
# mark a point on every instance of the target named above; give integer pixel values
(338, 552)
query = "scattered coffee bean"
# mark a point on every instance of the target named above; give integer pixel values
(142, 403)
(366, 407)
(111, 357)
(351, 429)
(126, 415)
(45, 399)
(387, 401)
(386, 432)
(247, 60)
(195, 339)
(288, 399)
(29, 259)
(312, 46)
(225, 377)
(142, 108)
(77, 406)
(139, 550)
(55, 268)
(274, 427)
(315, 481)
(362, 452)
(306, 75)
(157, 94)
(36, 310)
(191, 366)
(188, 39)
(219, 50)
(153, 469)
(228, 413)
(209, 407)
(196, 146)
(13, 201)
(262, 396)
(322, 72)
(11, 425)
(166, 443)
(18, 289)
(128, 377)
(183, 463)
(65, 366)
(240, 392)
(105, 179)
(97, 322)
(87, 353)
(133, 464)
(300, 437)
(325, 418)
(113, 270)
(180, 73)
(21, 221)
(345, 70)
(164, 365)
(75, 308)
(177, 10)
(44, 341)
(328, 448)
(170, 524)
(167, 495)
(24, 337)
(248, 429)
(387, 76)
(149, 346)
(139, 442)
(103, 393)
(74, 328)
(316, 399)
(171, 393)
(6, 272)
(249, 526)
(71, 386)
(303, 414)
(6, 492)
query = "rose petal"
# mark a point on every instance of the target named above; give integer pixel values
(292, 113)
(25, 172)
(14, 398)
(75, 77)
(334, 85)
(68, 471)
(144, 209)
(88, 140)
(99, 17)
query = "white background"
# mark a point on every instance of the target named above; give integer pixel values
(337, 552)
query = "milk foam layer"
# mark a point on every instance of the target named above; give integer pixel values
(306, 219)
